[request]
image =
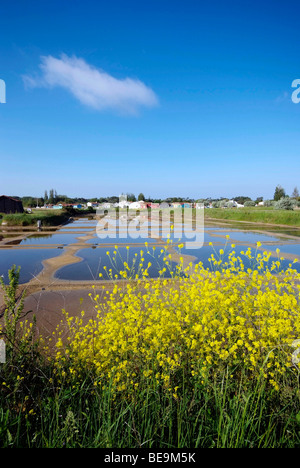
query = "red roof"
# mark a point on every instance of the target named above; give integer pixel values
(10, 198)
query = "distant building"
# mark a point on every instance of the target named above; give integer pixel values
(10, 205)
(138, 205)
(122, 204)
(144, 205)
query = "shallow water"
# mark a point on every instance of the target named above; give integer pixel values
(117, 240)
(204, 253)
(291, 249)
(95, 258)
(83, 223)
(249, 237)
(29, 260)
(94, 261)
(42, 239)
(191, 236)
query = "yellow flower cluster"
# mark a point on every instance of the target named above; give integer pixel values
(225, 316)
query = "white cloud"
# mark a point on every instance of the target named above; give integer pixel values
(91, 86)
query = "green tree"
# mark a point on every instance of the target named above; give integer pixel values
(141, 197)
(295, 193)
(279, 193)
(131, 197)
(51, 196)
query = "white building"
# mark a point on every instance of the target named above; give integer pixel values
(137, 205)
(122, 204)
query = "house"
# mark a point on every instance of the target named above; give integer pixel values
(181, 205)
(57, 207)
(122, 204)
(10, 205)
(233, 204)
(153, 205)
(143, 205)
(105, 206)
(176, 205)
(138, 205)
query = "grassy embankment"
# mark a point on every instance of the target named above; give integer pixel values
(258, 215)
(48, 218)
(210, 360)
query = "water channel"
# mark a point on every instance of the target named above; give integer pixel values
(81, 255)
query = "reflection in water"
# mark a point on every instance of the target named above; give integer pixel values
(30, 261)
(251, 237)
(94, 262)
(118, 240)
(39, 239)
(95, 258)
(203, 254)
(288, 249)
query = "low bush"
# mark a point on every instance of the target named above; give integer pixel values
(29, 219)
(285, 203)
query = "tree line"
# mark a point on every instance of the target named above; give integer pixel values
(51, 197)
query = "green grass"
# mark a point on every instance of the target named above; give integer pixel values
(258, 215)
(35, 413)
(28, 219)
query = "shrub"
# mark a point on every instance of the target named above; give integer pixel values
(234, 317)
(19, 338)
(285, 203)
(269, 203)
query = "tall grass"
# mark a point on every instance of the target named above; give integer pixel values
(29, 219)
(258, 215)
(219, 415)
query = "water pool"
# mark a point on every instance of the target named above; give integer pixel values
(248, 237)
(284, 248)
(204, 253)
(30, 261)
(57, 238)
(111, 240)
(94, 261)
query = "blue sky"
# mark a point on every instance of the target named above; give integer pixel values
(169, 98)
